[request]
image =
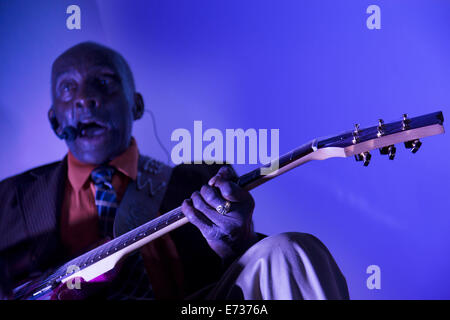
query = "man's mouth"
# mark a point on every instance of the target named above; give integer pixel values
(91, 129)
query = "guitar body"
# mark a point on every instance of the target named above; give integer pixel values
(76, 288)
(26, 290)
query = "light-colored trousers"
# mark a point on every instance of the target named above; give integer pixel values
(283, 267)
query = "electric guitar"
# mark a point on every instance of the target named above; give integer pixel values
(357, 143)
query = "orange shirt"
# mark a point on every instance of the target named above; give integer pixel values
(79, 221)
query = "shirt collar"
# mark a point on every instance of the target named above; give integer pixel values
(126, 163)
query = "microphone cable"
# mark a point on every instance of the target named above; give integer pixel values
(155, 131)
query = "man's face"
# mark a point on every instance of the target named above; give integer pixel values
(91, 91)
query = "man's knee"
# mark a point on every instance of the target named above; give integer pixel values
(296, 247)
(292, 248)
(303, 256)
(287, 241)
(289, 265)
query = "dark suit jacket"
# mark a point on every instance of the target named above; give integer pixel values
(30, 210)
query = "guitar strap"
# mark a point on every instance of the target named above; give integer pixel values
(143, 197)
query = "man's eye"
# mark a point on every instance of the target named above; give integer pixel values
(103, 82)
(66, 87)
(106, 84)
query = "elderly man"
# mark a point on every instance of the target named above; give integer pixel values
(54, 212)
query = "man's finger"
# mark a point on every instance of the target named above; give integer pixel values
(225, 172)
(211, 213)
(231, 191)
(212, 196)
(208, 229)
(195, 217)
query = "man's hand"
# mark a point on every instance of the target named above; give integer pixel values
(228, 235)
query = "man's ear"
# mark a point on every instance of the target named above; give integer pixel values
(138, 110)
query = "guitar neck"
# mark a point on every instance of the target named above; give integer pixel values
(288, 161)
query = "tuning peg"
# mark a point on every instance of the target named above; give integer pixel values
(380, 128)
(365, 157)
(405, 122)
(355, 134)
(392, 150)
(389, 150)
(414, 145)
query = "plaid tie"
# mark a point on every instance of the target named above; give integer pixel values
(105, 199)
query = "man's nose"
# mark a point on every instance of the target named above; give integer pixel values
(86, 102)
(87, 98)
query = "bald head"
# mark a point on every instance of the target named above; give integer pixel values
(93, 89)
(91, 52)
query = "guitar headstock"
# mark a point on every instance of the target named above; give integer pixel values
(384, 136)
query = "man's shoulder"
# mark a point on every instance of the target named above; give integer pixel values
(184, 172)
(191, 177)
(201, 171)
(30, 174)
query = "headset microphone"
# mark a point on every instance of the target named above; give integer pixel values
(68, 133)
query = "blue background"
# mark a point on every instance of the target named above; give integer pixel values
(309, 68)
